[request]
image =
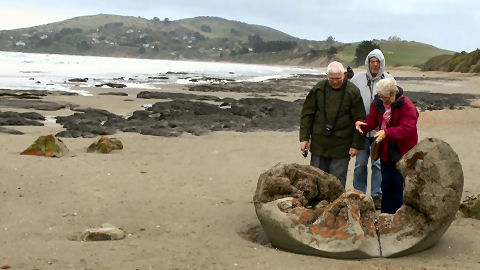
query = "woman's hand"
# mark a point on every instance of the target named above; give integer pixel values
(380, 135)
(358, 126)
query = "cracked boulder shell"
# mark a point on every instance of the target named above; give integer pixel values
(305, 210)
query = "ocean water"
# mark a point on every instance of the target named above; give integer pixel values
(29, 71)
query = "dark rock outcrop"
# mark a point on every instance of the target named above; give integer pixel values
(33, 104)
(21, 119)
(114, 94)
(10, 131)
(175, 96)
(112, 85)
(172, 118)
(89, 123)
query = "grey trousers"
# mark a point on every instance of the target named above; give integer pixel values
(334, 166)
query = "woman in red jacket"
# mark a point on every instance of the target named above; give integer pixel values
(396, 116)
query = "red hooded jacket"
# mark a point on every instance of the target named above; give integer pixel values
(401, 131)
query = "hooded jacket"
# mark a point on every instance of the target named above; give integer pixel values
(367, 84)
(401, 131)
(312, 120)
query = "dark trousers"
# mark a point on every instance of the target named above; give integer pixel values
(334, 166)
(392, 188)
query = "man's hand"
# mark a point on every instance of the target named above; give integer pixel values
(380, 135)
(353, 152)
(303, 145)
(358, 126)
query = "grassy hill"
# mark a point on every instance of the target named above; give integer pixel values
(460, 62)
(199, 38)
(222, 28)
(400, 53)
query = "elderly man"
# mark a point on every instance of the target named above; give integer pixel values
(367, 81)
(327, 123)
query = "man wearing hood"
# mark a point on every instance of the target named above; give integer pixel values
(367, 81)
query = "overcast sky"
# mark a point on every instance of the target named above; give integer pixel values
(446, 24)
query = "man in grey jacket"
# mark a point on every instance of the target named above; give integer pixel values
(366, 81)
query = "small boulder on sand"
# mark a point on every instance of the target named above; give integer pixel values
(104, 233)
(105, 145)
(49, 146)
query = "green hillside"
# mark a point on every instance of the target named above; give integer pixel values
(222, 28)
(459, 62)
(399, 53)
(89, 23)
(199, 38)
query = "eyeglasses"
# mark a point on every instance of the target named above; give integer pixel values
(384, 97)
(335, 79)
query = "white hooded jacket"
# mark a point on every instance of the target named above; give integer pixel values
(368, 85)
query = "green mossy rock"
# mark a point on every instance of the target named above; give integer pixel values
(470, 207)
(49, 146)
(105, 145)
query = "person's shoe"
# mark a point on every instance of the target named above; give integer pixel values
(377, 200)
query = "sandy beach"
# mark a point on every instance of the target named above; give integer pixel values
(186, 202)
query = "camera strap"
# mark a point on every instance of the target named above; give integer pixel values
(344, 86)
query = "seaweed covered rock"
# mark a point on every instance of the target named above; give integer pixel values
(48, 145)
(470, 207)
(105, 145)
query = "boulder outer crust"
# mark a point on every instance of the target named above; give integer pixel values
(431, 198)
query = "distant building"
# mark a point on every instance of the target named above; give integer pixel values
(20, 43)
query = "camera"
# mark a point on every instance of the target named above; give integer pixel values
(328, 130)
(305, 153)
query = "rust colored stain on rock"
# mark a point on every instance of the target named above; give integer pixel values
(388, 224)
(294, 221)
(49, 153)
(355, 212)
(332, 229)
(358, 237)
(369, 228)
(305, 216)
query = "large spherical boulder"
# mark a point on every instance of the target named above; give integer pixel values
(305, 210)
